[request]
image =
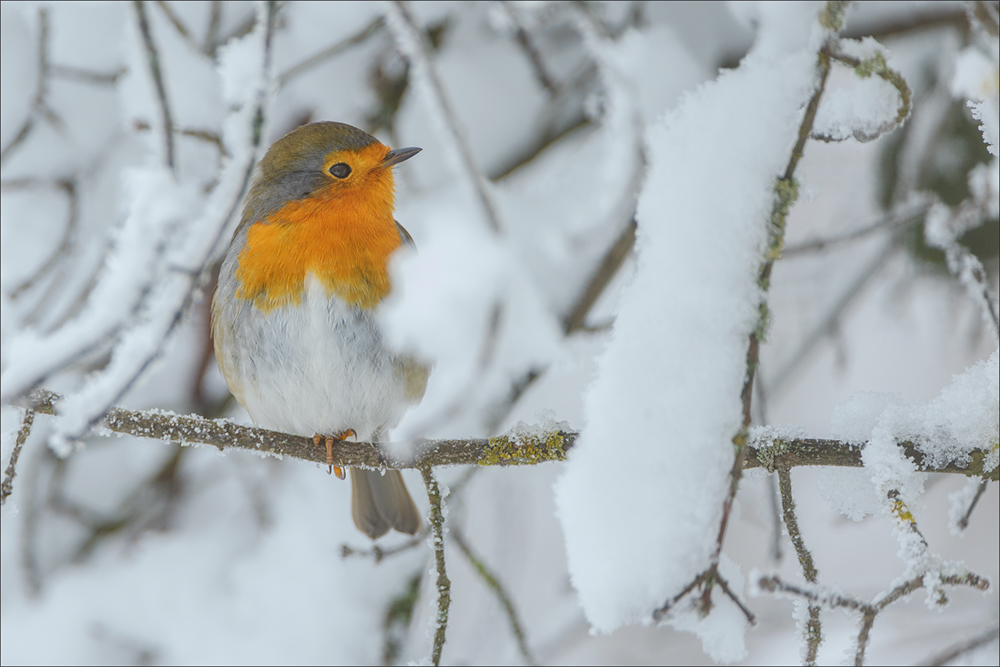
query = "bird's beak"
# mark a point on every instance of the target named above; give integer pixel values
(392, 158)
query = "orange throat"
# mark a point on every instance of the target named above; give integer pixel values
(344, 240)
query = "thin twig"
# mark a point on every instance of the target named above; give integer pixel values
(377, 553)
(527, 43)
(868, 610)
(864, 69)
(335, 49)
(610, 264)
(212, 31)
(69, 187)
(963, 522)
(814, 628)
(490, 579)
(413, 43)
(828, 321)
(897, 218)
(39, 105)
(955, 651)
(73, 73)
(10, 473)
(443, 584)
(175, 20)
(153, 58)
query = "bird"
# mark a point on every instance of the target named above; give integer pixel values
(294, 312)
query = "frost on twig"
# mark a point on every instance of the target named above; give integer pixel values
(442, 584)
(964, 502)
(869, 610)
(942, 230)
(11, 471)
(150, 278)
(505, 450)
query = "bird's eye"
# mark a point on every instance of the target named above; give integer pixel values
(340, 170)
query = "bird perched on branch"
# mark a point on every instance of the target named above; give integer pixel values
(293, 315)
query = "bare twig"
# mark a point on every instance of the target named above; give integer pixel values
(398, 616)
(212, 31)
(527, 42)
(413, 44)
(377, 553)
(39, 106)
(494, 584)
(443, 584)
(829, 321)
(606, 270)
(963, 522)
(895, 219)
(986, 15)
(69, 187)
(152, 55)
(175, 21)
(813, 628)
(869, 610)
(208, 136)
(11, 472)
(955, 651)
(331, 51)
(73, 73)
(706, 581)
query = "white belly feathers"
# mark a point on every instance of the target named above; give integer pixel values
(320, 367)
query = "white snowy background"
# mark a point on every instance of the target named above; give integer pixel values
(547, 128)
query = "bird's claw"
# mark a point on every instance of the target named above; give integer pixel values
(328, 442)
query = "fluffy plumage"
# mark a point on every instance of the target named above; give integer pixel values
(295, 333)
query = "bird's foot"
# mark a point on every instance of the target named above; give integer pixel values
(328, 442)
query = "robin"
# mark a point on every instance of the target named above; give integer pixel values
(293, 316)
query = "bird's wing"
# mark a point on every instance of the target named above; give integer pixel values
(405, 237)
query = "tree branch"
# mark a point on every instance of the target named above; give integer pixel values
(494, 584)
(868, 610)
(412, 43)
(813, 629)
(443, 584)
(498, 451)
(11, 472)
(153, 57)
(39, 105)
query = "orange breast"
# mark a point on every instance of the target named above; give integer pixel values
(343, 238)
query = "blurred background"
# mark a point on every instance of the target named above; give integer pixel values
(137, 552)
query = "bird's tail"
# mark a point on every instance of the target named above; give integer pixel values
(380, 502)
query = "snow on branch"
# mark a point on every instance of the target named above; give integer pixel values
(516, 448)
(161, 256)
